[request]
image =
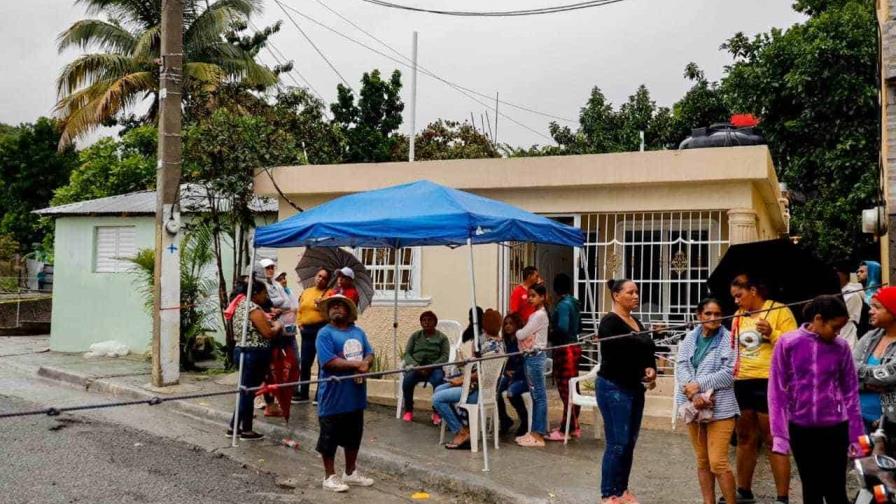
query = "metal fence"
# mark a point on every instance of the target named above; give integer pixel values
(668, 254)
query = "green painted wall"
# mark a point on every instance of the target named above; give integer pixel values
(90, 307)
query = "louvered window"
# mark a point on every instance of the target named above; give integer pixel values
(114, 245)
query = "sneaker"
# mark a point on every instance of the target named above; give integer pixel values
(300, 400)
(741, 499)
(555, 435)
(436, 419)
(356, 479)
(408, 416)
(334, 484)
(251, 436)
(314, 402)
(259, 402)
(628, 498)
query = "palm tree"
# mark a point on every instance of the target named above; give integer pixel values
(124, 71)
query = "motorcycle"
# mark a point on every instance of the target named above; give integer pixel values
(875, 467)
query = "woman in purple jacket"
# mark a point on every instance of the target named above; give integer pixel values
(814, 400)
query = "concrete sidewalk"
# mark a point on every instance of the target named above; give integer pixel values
(664, 464)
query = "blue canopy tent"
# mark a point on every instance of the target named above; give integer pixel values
(415, 214)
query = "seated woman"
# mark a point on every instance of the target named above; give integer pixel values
(447, 396)
(514, 380)
(425, 347)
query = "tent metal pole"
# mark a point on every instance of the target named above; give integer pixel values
(483, 426)
(239, 383)
(395, 314)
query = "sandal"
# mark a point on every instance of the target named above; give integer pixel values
(530, 442)
(462, 446)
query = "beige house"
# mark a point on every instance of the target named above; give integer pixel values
(661, 218)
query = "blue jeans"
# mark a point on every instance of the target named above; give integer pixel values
(515, 389)
(445, 398)
(535, 376)
(309, 351)
(412, 378)
(622, 410)
(255, 366)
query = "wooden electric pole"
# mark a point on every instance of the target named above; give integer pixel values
(166, 274)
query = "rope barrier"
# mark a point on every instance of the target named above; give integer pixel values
(591, 338)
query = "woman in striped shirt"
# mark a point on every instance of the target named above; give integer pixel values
(705, 381)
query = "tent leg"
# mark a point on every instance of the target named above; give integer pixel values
(395, 327)
(239, 383)
(483, 426)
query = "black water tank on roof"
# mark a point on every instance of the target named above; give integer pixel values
(721, 135)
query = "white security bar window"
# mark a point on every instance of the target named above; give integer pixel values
(380, 263)
(114, 245)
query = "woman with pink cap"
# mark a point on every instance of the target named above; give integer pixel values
(875, 359)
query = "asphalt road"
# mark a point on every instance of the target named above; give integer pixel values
(147, 454)
(75, 459)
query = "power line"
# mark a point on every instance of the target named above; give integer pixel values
(483, 95)
(269, 45)
(424, 72)
(322, 55)
(511, 13)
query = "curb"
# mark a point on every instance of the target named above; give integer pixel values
(375, 458)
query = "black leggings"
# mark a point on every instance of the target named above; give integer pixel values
(821, 457)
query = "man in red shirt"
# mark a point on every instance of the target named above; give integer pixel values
(345, 285)
(519, 298)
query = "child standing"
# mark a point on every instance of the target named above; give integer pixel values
(814, 401)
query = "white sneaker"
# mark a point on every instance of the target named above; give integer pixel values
(334, 484)
(356, 479)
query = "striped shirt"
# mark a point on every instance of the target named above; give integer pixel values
(715, 372)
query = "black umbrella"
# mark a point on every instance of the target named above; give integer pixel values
(332, 259)
(791, 273)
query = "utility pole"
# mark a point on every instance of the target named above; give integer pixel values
(412, 135)
(166, 274)
(886, 10)
(496, 118)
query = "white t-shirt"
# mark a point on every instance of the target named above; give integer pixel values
(537, 325)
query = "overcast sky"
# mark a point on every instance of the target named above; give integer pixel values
(548, 63)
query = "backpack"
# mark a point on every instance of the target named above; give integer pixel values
(864, 324)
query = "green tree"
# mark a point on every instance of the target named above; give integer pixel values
(814, 87)
(111, 167)
(100, 87)
(701, 106)
(370, 124)
(447, 140)
(223, 154)
(31, 168)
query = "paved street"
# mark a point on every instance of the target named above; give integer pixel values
(97, 457)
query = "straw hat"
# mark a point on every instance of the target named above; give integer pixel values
(352, 308)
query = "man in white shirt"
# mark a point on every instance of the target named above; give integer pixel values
(854, 298)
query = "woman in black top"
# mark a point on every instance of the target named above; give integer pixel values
(627, 369)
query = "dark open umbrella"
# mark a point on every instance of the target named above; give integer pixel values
(791, 273)
(332, 259)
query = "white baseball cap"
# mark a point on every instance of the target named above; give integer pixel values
(346, 271)
(266, 263)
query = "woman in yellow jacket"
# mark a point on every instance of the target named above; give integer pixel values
(758, 324)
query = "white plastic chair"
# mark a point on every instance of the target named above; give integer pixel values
(577, 399)
(453, 330)
(489, 372)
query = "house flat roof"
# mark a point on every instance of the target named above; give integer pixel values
(749, 163)
(193, 200)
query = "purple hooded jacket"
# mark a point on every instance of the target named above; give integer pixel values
(812, 383)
